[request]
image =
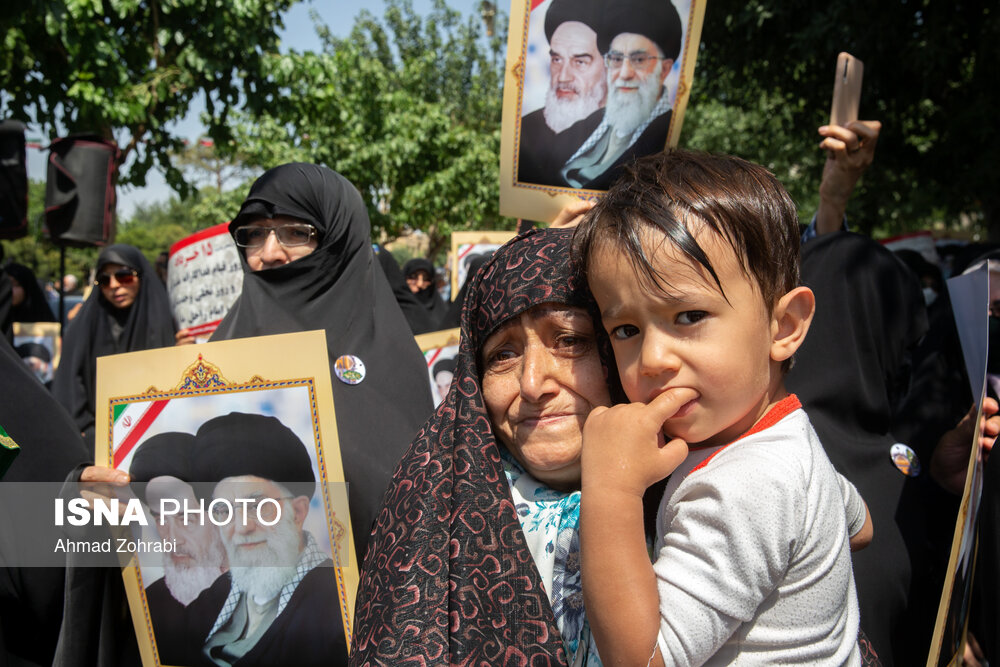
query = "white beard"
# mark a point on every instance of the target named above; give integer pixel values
(627, 111)
(560, 114)
(208, 561)
(263, 572)
(186, 583)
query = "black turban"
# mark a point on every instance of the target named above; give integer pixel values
(243, 444)
(561, 11)
(25, 350)
(446, 364)
(659, 21)
(165, 454)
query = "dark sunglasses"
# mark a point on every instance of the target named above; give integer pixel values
(123, 276)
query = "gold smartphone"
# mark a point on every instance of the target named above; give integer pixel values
(846, 89)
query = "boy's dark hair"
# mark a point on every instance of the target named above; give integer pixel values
(742, 202)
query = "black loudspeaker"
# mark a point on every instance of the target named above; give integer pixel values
(13, 181)
(80, 191)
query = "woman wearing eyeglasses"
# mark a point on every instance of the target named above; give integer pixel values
(127, 311)
(306, 245)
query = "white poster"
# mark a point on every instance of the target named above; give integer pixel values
(204, 279)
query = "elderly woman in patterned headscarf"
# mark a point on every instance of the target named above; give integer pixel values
(475, 555)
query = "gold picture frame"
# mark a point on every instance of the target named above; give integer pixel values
(284, 378)
(526, 81)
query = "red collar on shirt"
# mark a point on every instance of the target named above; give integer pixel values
(781, 409)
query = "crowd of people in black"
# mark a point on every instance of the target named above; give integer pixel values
(467, 519)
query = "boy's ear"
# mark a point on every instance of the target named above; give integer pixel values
(790, 322)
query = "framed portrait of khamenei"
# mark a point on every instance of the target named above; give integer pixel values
(233, 455)
(589, 86)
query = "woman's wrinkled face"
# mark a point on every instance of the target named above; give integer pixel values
(120, 290)
(542, 376)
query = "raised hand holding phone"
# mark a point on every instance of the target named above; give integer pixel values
(849, 144)
(846, 89)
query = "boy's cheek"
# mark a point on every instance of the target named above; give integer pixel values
(631, 383)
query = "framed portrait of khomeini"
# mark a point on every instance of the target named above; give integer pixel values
(39, 345)
(440, 349)
(470, 249)
(232, 450)
(590, 85)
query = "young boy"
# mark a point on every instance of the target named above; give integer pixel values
(693, 261)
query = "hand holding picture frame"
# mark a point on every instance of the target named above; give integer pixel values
(247, 421)
(970, 302)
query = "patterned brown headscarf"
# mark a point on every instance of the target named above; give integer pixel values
(448, 578)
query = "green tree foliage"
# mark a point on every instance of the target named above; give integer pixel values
(127, 69)
(407, 108)
(155, 227)
(765, 77)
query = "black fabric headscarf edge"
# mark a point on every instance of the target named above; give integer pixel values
(31, 598)
(416, 315)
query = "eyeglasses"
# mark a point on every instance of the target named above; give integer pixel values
(638, 61)
(123, 276)
(289, 234)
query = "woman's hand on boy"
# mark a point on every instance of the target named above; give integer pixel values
(624, 448)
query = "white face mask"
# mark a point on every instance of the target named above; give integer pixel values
(930, 296)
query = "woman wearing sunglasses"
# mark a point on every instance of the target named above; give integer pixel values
(127, 310)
